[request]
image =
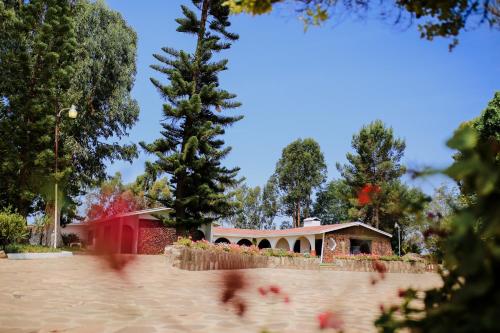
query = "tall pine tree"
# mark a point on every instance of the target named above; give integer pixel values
(374, 166)
(190, 150)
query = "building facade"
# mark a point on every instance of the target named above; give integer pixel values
(142, 232)
(325, 241)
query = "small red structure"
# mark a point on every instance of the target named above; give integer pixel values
(138, 232)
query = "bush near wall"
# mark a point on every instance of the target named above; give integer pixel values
(237, 249)
(13, 227)
(27, 248)
(70, 238)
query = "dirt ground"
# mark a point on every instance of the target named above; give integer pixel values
(81, 294)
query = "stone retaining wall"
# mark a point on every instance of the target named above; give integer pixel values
(368, 266)
(201, 260)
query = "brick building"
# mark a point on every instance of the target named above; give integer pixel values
(326, 241)
(142, 232)
(139, 232)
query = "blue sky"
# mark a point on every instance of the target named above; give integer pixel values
(324, 83)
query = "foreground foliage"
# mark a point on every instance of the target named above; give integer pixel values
(445, 18)
(469, 300)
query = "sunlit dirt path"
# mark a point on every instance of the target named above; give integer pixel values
(77, 295)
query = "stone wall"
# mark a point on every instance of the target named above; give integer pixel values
(201, 260)
(368, 266)
(153, 237)
(381, 245)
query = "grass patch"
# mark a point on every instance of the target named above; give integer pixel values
(27, 248)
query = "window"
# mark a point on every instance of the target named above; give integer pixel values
(360, 246)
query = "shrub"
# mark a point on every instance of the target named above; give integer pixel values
(252, 250)
(12, 227)
(235, 248)
(202, 244)
(372, 257)
(27, 248)
(183, 241)
(70, 238)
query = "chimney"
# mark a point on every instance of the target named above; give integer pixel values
(312, 222)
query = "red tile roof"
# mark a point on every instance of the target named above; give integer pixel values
(219, 231)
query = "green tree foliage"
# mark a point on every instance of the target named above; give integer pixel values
(300, 170)
(250, 214)
(12, 227)
(257, 207)
(332, 203)
(286, 225)
(271, 204)
(54, 54)
(469, 298)
(191, 150)
(376, 162)
(37, 48)
(103, 81)
(445, 18)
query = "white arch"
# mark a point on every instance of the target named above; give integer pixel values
(264, 239)
(245, 239)
(305, 245)
(282, 243)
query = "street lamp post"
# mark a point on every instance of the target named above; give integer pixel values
(72, 113)
(396, 225)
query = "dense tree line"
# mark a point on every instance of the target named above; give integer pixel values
(370, 190)
(54, 54)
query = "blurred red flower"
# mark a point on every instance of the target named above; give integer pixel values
(328, 319)
(380, 268)
(274, 289)
(232, 283)
(365, 195)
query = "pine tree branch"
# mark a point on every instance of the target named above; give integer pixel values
(201, 35)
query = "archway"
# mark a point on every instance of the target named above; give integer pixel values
(264, 244)
(222, 240)
(283, 244)
(127, 239)
(302, 245)
(244, 242)
(197, 235)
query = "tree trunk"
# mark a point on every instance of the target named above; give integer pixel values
(298, 214)
(49, 229)
(201, 35)
(375, 219)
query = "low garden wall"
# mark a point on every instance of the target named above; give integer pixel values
(392, 266)
(202, 255)
(200, 260)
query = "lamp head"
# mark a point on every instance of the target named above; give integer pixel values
(72, 113)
